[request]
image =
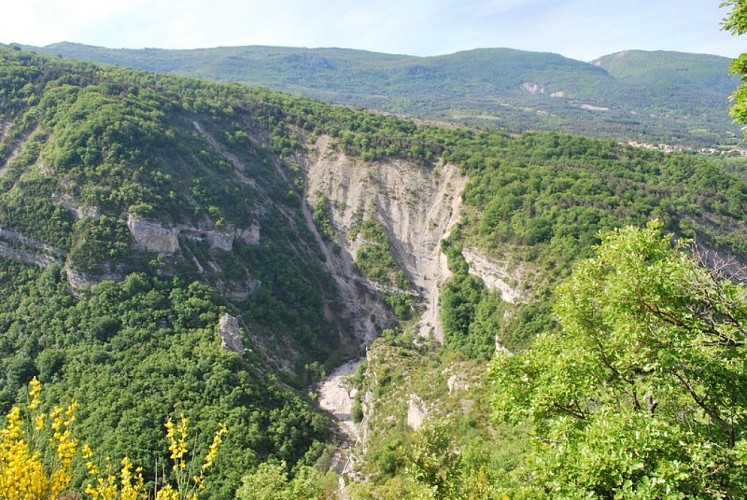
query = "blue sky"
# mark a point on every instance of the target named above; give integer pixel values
(581, 29)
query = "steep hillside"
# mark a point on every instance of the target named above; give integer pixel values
(159, 216)
(668, 97)
(416, 209)
(172, 245)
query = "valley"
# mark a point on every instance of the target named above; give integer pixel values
(343, 288)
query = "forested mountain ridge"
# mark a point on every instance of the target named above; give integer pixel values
(671, 97)
(136, 209)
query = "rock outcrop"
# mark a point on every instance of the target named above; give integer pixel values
(249, 236)
(160, 238)
(78, 279)
(220, 239)
(152, 236)
(495, 275)
(18, 247)
(230, 334)
(416, 412)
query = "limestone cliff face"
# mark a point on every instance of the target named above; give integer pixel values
(152, 236)
(159, 238)
(16, 246)
(79, 280)
(416, 412)
(416, 205)
(495, 275)
(249, 236)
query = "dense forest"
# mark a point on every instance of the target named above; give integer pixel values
(138, 209)
(654, 97)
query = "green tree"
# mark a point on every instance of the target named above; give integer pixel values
(644, 391)
(432, 461)
(736, 23)
(270, 481)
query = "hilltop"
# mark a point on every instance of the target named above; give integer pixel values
(653, 97)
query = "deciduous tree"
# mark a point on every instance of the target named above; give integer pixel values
(736, 23)
(644, 391)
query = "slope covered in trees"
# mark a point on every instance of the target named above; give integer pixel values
(669, 97)
(136, 209)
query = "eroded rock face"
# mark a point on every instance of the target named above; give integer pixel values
(159, 238)
(18, 247)
(230, 334)
(417, 206)
(239, 291)
(78, 280)
(4, 127)
(153, 236)
(220, 239)
(495, 275)
(249, 236)
(416, 412)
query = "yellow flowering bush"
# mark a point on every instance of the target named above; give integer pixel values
(130, 485)
(189, 481)
(38, 452)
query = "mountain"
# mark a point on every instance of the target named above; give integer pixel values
(179, 246)
(668, 97)
(695, 71)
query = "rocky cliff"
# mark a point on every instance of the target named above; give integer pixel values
(416, 205)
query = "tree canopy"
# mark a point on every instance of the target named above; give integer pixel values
(643, 391)
(736, 23)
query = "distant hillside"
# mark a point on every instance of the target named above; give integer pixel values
(688, 71)
(650, 96)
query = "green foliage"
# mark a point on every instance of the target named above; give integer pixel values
(529, 320)
(290, 303)
(676, 97)
(642, 393)
(97, 241)
(91, 145)
(459, 302)
(322, 216)
(736, 22)
(543, 198)
(375, 261)
(356, 413)
(431, 459)
(457, 453)
(94, 145)
(470, 313)
(49, 363)
(271, 482)
(131, 353)
(28, 207)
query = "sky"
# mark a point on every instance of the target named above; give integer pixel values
(580, 29)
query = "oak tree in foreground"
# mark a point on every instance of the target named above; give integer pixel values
(643, 392)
